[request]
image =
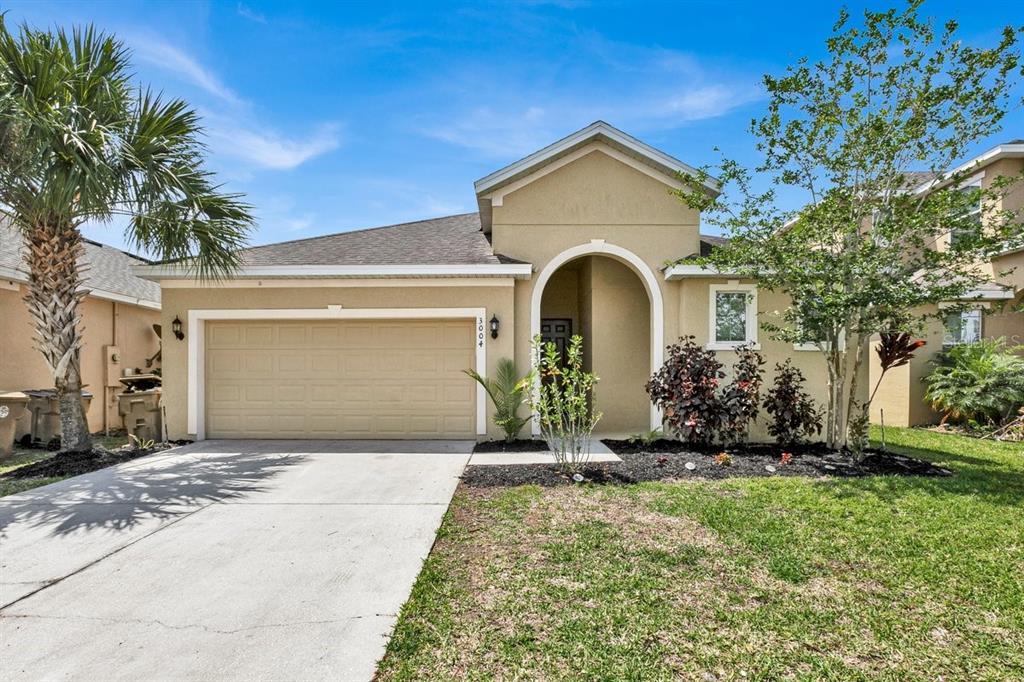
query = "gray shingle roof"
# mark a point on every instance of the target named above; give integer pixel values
(452, 240)
(914, 179)
(708, 243)
(107, 269)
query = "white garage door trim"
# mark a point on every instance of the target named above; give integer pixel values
(197, 345)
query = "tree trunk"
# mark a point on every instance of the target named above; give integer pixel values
(54, 250)
(835, 360)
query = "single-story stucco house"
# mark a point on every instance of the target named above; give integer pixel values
(365, 334)
(117, 325)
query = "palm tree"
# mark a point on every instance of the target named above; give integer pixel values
(80, 142)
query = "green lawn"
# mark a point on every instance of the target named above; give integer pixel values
(22, 456)
(769, 578)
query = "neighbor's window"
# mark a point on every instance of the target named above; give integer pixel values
(973, 228)
(962, 327)
(733, 316)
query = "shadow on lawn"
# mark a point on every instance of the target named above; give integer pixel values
(118, 498)
(972, 476)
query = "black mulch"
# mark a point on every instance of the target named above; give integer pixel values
(667, 460)
(76, 463)
(514, 446)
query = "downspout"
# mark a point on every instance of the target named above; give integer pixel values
(107, 390)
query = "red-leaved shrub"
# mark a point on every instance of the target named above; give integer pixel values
(685, 389)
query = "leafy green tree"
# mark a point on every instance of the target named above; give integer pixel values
(80, 142)
(871, 251)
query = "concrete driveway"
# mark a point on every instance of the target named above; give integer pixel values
(271, 560)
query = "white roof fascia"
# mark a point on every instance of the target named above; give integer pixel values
(516, 270)
(988, 295)
(1001, 151)
(684, 271)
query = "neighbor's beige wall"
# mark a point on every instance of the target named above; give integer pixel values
(1007, 321)
(103, 323)
(901, 393)
(496, 299)
(596, 198)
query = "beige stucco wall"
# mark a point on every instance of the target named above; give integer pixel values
(103, 323)
(494, 297)
(598, 197)
(562, 297)
(621, 347)
(694, 320)
(597, 292)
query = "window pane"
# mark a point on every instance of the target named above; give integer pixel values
(954, 329)
(968, 232)
(963, 327)
(731, 316)
(971, 326)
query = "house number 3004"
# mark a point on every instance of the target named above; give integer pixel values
(480, 332)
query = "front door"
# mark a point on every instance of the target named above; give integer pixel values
(558, 331)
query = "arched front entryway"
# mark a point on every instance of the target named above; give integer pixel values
(616, 270)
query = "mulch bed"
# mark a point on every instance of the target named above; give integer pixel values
(76, 463)
(514, 446)
(666, 460)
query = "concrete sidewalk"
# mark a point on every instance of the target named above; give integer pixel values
(271, 560)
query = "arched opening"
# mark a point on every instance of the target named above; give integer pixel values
(610, 297)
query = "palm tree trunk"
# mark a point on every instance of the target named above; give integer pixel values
(54, 250)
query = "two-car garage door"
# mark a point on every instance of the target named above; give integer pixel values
(339, 379)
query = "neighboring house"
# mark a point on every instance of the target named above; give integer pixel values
(364, 334)
(997, 309)
(117, 315)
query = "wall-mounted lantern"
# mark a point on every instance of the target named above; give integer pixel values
(176, 328)
(494, 327)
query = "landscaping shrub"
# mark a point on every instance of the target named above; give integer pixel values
(740, 400)
(561, 394)
(685, 389)
(977, 383)
(507, 393)
(794, 414)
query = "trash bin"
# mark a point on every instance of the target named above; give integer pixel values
(12, 406)
(44, 423)
(140, 411)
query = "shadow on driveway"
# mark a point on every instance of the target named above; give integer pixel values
(160, 488)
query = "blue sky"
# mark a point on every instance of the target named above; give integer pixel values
(336, 116)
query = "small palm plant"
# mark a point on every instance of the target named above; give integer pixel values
(980, 382)
(507, 394)
(561, 393)
(80, 142)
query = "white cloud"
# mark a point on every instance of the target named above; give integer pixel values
(230, 125)
(249, 13)
(299, 223)
(269, 149)
(640, 89)
(169, 58)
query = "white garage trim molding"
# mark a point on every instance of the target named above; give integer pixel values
(197, 345)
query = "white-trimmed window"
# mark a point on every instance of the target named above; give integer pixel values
(733, 316)
(973, 214)
(962, 327)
